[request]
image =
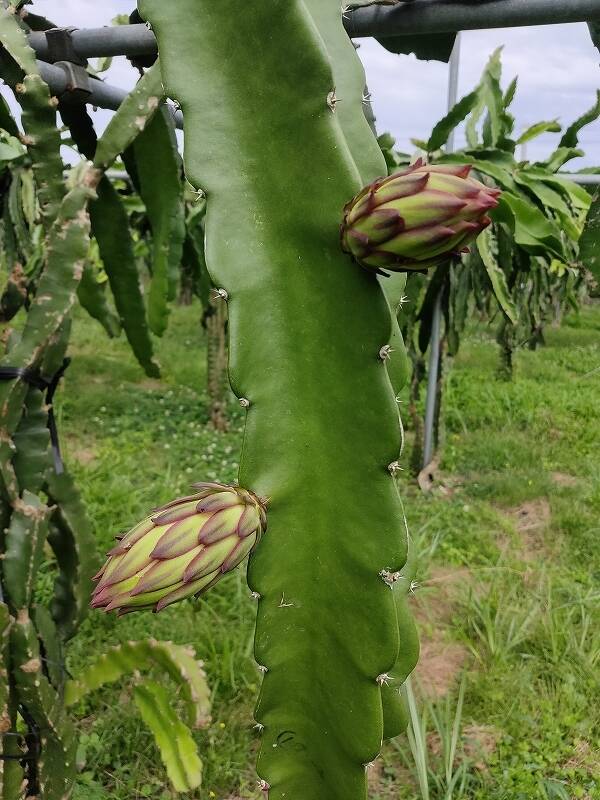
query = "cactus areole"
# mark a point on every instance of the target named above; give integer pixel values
(181, 549)
(416, 219)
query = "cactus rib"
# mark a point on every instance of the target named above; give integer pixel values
(158, 168)
(110, 227)
(174, 740)
(72, 540)
(177, 661)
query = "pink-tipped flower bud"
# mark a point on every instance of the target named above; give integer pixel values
(181, 549)
(416, 219)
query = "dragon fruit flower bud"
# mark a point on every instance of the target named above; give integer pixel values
(416, 219)
(181, 549)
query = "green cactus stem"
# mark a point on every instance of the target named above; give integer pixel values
(133, 116)
(158, 169)
(306, 334)
(11, 770)
(92, 296)
(72, 540)
(172, 734)
(42, 136)
(110, 226)
(55, 765)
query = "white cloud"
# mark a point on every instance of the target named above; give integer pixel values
(558, 76)
(82, 13)
(557, 67)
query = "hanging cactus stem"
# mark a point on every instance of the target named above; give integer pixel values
(304, 337)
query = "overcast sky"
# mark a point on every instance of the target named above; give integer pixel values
(557, 65)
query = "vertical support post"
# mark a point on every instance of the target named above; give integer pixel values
(454, 67)
(216, 364)
(432, 379)
(434, 348)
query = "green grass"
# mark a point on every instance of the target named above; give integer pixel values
(528, 623)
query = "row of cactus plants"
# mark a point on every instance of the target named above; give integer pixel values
(47, 230)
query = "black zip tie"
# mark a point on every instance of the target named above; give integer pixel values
(33, 378)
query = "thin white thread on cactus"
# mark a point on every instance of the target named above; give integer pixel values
(283, 604)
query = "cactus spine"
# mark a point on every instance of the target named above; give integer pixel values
(267, 140)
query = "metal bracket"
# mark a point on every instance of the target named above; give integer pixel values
(62, 53)
(61, 47)
(77, 89)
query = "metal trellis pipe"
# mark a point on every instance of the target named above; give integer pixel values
(118, 40)
(440, 16)
(582, 178)
(436, 324)
(97, 92)
(406, 19)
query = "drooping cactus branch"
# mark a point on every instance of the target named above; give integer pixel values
(307, 329)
